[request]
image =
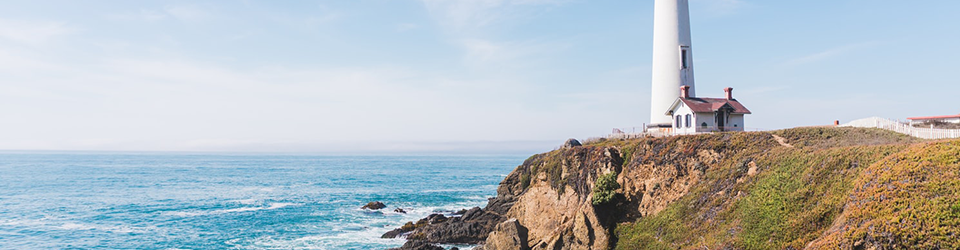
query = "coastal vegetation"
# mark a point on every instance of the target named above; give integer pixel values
(801, 188)
(605, 191)
(838, 188)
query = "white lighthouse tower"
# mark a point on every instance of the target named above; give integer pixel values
(672, 58)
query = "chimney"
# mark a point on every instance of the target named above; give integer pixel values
(729, 91)
(685, 91)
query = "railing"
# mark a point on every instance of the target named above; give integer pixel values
(903, 128)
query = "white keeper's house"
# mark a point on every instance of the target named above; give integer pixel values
(692, 114)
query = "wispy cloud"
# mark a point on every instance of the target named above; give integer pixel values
(461, 15)
(324, 15)
(181, 12)
(189, 12)
(33, 33)
(830, 53)
(317, 16)
(474, 25)
(139, 15)
(484, 52)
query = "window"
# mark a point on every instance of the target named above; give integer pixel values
(683, 58)
(688, 121)
(678, 122)
(703, 125)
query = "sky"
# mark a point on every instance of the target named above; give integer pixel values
(443, 76)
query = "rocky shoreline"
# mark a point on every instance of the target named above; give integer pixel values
(470, 227)
(498, 224)
(466, 227)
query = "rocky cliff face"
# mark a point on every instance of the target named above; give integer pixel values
(812, 188)
(554, 190)
(553, 197)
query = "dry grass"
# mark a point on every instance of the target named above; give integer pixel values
(909, 198)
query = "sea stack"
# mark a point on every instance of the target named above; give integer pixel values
(672, 58)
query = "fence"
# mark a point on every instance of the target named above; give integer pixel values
(903, 128)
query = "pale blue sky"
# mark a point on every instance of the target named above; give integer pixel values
(485, 76)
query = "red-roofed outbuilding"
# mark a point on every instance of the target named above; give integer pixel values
(694, 114)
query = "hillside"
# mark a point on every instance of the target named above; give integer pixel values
(818, 188)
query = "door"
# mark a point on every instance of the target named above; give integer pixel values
(720, 121)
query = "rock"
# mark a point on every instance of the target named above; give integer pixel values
(399, 210)
(571, 143)
(472, 213)
(471, 228)
(563, 216)
(410, 226)
(436, 218)
(454, 231)
(418, 245)
(374, 205)
(508, 235)
(399, 231)
(393, 233)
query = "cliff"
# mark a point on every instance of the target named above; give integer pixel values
(813, 188)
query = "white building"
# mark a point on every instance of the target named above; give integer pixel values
(672, 70)
(691, 115)
(934, 119)
(672, 58)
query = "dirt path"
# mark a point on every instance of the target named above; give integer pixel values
(782, 141)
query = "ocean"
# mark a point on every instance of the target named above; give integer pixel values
(230, 201)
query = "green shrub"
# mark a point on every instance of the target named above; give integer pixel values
(524, 181)
(606, 189)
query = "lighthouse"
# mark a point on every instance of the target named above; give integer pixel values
(672, 58)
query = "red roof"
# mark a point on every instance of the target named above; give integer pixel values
(934, 117)
(700, 105)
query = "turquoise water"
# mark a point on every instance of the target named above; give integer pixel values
(193, 201)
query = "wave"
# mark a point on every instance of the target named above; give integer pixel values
(347, 239)
(247, 201)
(272, 206)
(459, 246)
(75, 226)
(84, 227)
(455, 190)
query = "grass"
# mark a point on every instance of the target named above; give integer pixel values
(832, 137)
(799, 193)
(908, 200)
(837, 188)
(799, 196)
